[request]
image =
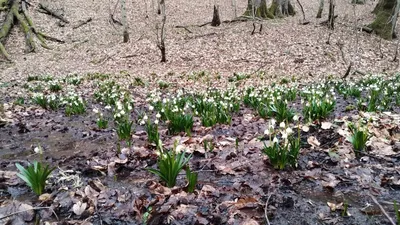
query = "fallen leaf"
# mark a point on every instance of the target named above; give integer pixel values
(334, 206)
(326, 125)
(305, 128)
(79, 208)
(313, 141)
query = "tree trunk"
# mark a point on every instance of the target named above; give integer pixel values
(258, 8)
(331, 16)
(386, 18)
(281, 8)
(124, 22)
(320, 9)
(378, 7)
(215, 20)
(161, 40)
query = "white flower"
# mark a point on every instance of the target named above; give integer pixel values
(284, 135)
(282, 125)
(158, 116)
(129, 107)
(289, 131)
(107, 107)
(122, 112)
(142, 122)
(275, 140)
(267, 132)
(156, 122)
(151, 108)
(95, 110)
(145, 117)
(296, 118)
(273, 122)
(36, 150)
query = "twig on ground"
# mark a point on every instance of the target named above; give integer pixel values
(22, 211)
(382, 209)
(82, 23)
(184, 28)
(266, 209)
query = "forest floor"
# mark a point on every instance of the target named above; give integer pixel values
(283, 48)
(242, 76)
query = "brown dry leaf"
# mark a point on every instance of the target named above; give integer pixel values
(250, 222)
(209, 190)
(313, 141)
(9, 178)
(45, 197)
(326, 125)
(379, 147)
(334, 206)
(208, 137)
(248, 202)
(329, 181)
(90, 192)
(79, 208)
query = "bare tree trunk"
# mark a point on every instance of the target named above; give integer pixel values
(215, 20)
(331, 16)
(161, 39)
(234, 8)
(320, 9)
(124, 21)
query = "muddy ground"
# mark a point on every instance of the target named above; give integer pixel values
(236, 183)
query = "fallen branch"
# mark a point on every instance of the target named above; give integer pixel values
(52, 13)
(382, 209)
(202, 25)
(366, 29)
(266, 210)
(22, 211)
(82, 23)
(184, 28)
(347, 71)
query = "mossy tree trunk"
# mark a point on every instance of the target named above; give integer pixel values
(258, 8)
(16, 10)
(386, 18)
(282, 8)
(377, 7)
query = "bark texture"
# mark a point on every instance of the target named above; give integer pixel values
(386, 18)
(282, 8)
(320, 9)
(258, 8)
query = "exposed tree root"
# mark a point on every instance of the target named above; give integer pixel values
(17, 11)
(52, 13)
